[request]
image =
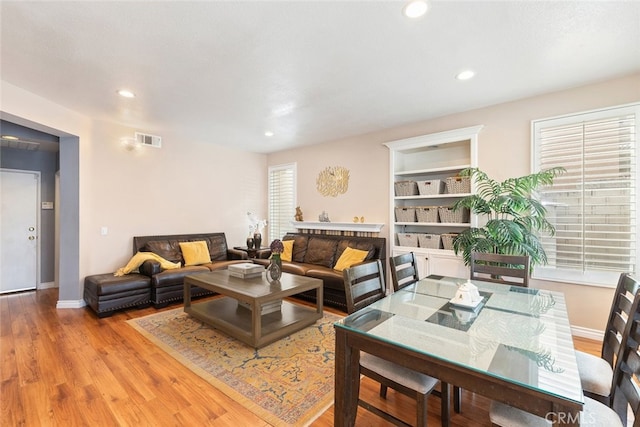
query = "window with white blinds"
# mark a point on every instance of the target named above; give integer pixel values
(282, 199)
(593, 205)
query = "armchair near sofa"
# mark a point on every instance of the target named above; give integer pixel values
(316, 255)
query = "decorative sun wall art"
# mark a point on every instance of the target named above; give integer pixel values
(333, 180)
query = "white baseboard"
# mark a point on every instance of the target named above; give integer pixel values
(47, 285)
(592, 334)
(71, 304)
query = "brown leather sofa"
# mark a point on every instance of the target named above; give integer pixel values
(167, 285)
(107, 293)
(315, 255)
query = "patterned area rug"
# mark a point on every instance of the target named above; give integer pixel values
(287, 383)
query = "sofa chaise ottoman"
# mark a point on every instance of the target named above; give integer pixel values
(106, 293)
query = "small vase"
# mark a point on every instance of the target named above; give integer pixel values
(257, 240)
(250, 242)
(275, 267)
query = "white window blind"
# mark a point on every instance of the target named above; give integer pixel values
(282, 199)
(593, 205)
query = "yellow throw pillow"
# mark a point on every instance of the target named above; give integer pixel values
(137, 260)
(287, 254)
(349, 257)
(195, 253)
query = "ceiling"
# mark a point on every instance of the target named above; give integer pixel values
(309, 71)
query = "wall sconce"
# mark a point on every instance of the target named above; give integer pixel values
(130, 143)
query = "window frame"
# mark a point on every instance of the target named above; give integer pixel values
(599, 278)
(278, 232)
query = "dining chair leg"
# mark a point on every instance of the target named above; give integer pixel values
(421, 406)
(445, 406)
(457, 399)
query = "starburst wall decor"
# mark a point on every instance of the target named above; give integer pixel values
(332, 181)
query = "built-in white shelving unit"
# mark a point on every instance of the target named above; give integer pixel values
(427, 160)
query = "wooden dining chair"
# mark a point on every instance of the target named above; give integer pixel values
(364, 284)
(497, 268)
(625, 392)
(404, 270)
(596, 373)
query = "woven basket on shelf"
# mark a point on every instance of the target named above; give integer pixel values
(447, 240)
(405, 214)
(448, 215)
(458, 184)
(428, 188)
(408, 239)
(406, 188)
(427, 213)
(430, 241)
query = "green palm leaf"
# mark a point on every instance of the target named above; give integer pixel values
(513, 216)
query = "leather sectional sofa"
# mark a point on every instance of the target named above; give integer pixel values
(315, 255)
(106, 293)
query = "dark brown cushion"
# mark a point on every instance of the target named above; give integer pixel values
(217, 247)
(167, 249)
(331, 278)
(320, 251)
(299, 247)
(298, 268)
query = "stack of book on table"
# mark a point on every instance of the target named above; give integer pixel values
(266, 308)
(246, 270)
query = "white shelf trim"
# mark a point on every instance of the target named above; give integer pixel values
(434, 196)
(436, 224)
(433, 170)
(436, 138)
(338, 226)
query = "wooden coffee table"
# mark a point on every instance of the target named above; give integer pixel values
(238, 312)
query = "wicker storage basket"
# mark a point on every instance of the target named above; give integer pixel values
(458, 184)
(427, 188)
(448, 215)
(447, 240)
(408, 239)
(406, 214)
(430, 241)
(406, 188)
(427, 213)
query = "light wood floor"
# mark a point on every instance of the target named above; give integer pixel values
(69, 368)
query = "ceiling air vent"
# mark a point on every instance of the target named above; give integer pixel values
(148, 140)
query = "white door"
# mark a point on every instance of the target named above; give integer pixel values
(18, 230)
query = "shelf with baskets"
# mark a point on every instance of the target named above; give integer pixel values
(424, 185)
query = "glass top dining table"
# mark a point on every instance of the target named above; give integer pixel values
(515, 346)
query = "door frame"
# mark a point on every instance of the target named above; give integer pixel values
(38, 214)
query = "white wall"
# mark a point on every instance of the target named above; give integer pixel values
(183, 187)
(186, 186)
(504, 150)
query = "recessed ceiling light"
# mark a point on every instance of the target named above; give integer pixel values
(126, 93)
(415, 8)
(465, 75)
(268, 133)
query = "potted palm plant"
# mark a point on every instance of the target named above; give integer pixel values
(514, 217)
